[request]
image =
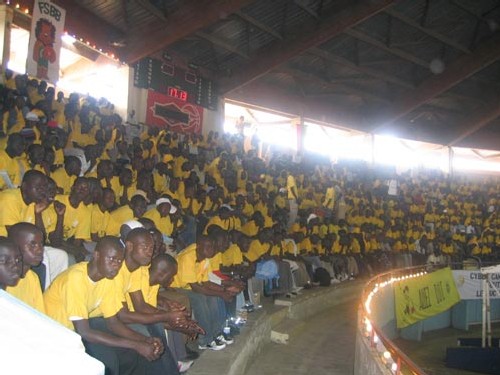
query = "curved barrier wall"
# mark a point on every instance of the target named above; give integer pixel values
(375, 351)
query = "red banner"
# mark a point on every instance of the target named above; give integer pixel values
(174, 114)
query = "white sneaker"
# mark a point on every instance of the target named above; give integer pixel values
(334, 281)
(184, 366)
(214, 345)
(224, 338)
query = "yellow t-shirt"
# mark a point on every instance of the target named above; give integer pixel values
(99, 221)
(291, 186)
(14, 210)
(74, 296)
(227, 224)
(76, 220)
(12, 167)
(163, 224)
(128, 282)
(190, 271)
(117, 218)
(149, 292)
(232, 256)
(250, 229)
(256, 250)
(63, 180)
(29, 291)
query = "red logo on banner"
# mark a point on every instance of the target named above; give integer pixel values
(177, 115)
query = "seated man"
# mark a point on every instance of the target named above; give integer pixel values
(161, 273)
(77, 216)
(101, 214)
(25, 203)
(84, 294)
(65, 177)
(142, 316)
(11, 262)
(192, 279)
(29, 239)
(160, 215)
(134, 210)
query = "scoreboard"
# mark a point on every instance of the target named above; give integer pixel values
(168, 79)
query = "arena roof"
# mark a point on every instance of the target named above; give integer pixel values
(422, 69)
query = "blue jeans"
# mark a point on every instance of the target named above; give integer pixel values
(208, 312)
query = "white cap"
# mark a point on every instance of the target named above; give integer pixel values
(159, 201)
(31, 116)
(311, 216)
(227, 206)
(132, 224)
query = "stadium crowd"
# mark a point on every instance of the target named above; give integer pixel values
(119, 231)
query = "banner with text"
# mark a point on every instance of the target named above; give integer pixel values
(47, 27)
(174, 114)
(422, 297)
(470, 286)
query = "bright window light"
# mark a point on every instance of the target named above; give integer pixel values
(100, 78)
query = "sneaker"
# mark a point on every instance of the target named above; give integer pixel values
(334, 281)
(248, 307)
(224, 338)
(184, 366)
(214, 345)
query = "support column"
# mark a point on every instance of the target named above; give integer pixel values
(6, 17)
(450, 160)
(300, 129)
(372, 148)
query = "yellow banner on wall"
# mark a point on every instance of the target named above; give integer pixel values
(422, 297)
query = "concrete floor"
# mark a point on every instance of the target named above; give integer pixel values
(430, 353)
(324, 344)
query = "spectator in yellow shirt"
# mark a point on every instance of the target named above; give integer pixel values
(11, 261)
(134, 210)
(29, 239)
(25, 203)
(160, 215)
(65, 177)
(9, 160)
(84, 298)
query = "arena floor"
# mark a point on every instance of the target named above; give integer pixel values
(430, 353)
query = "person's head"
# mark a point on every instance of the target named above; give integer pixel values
(204, 247)
(34, 187)
(219, 237)
(147, 223)
(139, 246)
(165, 206)
(11, 262)
(163, 270)
(159, 245)
(108, 256)
(29, 239)
(80, 190)
(138, 205)
(51, 189)
(225, 211)
(15, 145)
(125, 177)
(107, 199)
(104, 169)
(95, 191)
(36, 154)
(72, 165)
